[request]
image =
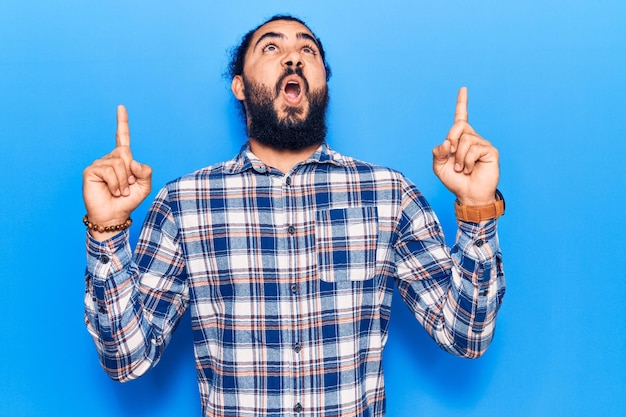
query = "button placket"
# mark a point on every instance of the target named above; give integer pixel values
(291, 224)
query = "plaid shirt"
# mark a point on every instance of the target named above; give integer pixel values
(289, 279)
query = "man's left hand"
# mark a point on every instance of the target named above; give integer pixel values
(466, 163)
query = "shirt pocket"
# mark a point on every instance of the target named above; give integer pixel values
(345, 243)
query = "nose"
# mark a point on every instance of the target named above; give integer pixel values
(292, 59)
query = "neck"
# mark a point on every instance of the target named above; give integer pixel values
(282, 160)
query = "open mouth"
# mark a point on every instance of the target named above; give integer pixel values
(292, 90)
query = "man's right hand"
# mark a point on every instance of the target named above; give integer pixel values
(115, 185)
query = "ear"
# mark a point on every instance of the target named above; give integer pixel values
(237, 88)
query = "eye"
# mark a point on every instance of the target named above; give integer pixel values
(270, 47)
(308, 49)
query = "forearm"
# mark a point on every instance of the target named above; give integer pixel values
(129, 334)
(476, 290)
(113, 310)
(456, 295)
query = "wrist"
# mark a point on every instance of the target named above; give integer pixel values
(472, 202)
(106, 227)
(476, 213)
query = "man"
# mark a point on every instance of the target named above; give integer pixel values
(286, 255)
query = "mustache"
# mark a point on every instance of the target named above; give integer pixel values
(290, 71)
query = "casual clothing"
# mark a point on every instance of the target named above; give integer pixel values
(289, 279)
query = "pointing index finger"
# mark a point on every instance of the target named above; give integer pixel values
(461, 106)
(122, 136)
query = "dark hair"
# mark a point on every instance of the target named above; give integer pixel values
(238, 53)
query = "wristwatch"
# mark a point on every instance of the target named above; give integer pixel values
(476, 214)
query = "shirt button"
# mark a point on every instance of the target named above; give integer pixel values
(288, 180)
(479, 243)
(294, 288)
(297, 348)
(104, 259)
(297, 408)
(291, 230)
(102, 309)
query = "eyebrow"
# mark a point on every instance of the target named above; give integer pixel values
(274, 35)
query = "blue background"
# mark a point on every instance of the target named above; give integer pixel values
(547, 86)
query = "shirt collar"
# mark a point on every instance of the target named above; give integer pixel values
(246, 160)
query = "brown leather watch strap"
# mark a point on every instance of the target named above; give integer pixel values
(477, 214)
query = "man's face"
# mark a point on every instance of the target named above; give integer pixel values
(283, 86)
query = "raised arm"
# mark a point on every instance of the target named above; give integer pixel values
(455, 293)
(131, 307)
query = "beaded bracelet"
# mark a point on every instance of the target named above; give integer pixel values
(102, 229)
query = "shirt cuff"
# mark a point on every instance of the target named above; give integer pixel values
(479, 241)
(108, 257)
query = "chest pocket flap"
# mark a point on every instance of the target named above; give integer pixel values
(346, 243)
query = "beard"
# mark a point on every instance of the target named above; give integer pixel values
(294, 131)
